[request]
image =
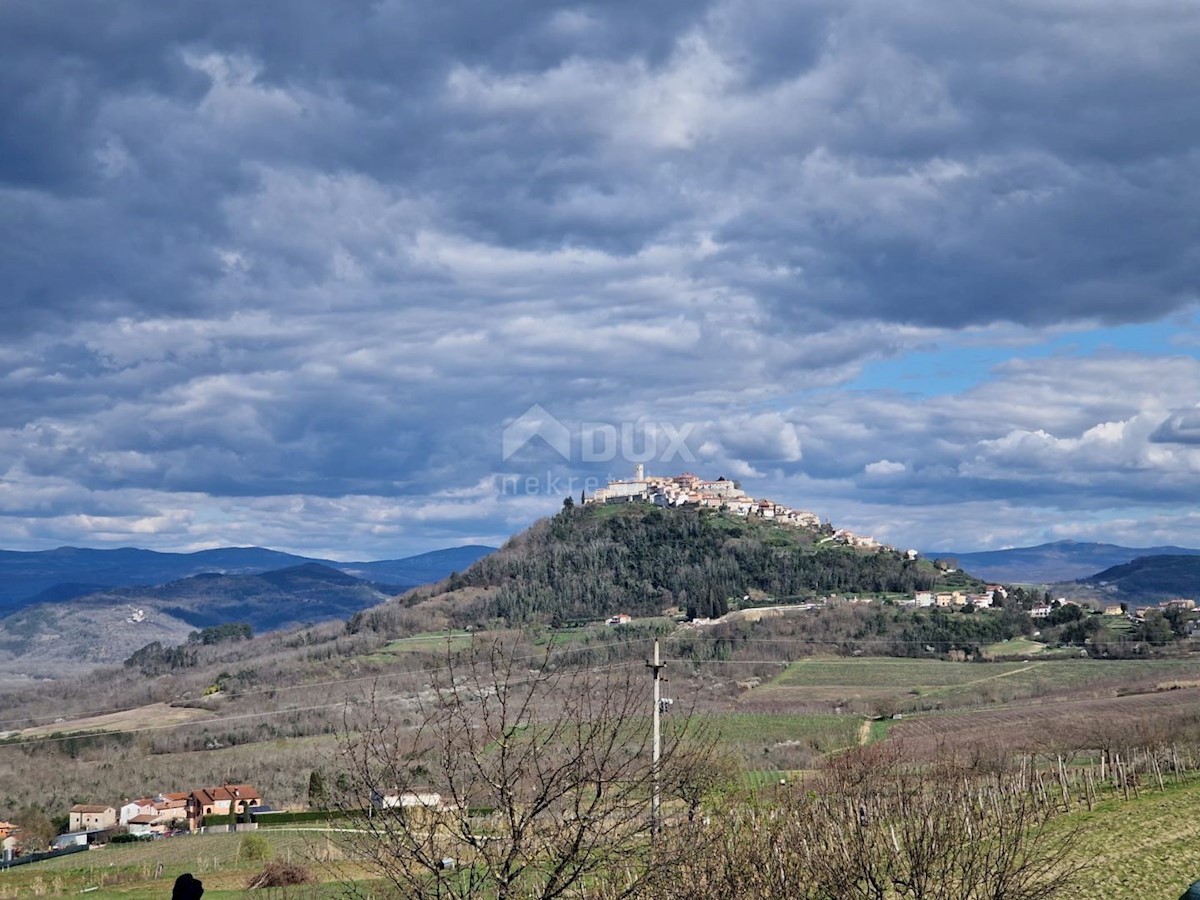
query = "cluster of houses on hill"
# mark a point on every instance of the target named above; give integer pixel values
(692, 490)
(1183, 604)
(160, 814)
(951, 599)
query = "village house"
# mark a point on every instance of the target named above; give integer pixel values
(142, 807)
(1113, 609)
(171, 809)
(228, 799)
(160, 813)
(146, 825)
(91, 817)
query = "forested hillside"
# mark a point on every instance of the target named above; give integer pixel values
(1152, 578)
(595, 561)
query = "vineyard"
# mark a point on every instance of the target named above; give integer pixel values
(1060, 726)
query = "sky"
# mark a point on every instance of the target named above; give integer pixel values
(361, 280)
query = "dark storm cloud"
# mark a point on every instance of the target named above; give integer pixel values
(282, 259)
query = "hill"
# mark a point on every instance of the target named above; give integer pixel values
(32, 577)
(1049, 563)
(424, 568)
(107, 626)
(598, 560)
(1151, 578)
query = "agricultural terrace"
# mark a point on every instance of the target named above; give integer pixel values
(880, 684)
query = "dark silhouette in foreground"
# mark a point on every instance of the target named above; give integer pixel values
(187, 888)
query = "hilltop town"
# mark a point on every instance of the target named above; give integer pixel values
(692, 490)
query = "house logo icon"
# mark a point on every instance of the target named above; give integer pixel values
(536, 422)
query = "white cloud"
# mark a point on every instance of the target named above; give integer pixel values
(299, 285)
(884, 468)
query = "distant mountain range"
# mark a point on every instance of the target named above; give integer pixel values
(1055, 562)
(31, 577)
(107, 626)
(72, 623)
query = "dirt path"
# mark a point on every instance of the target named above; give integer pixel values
(947, 688)
(864, 733)
(1036, 665)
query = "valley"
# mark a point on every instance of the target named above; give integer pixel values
(784, 654)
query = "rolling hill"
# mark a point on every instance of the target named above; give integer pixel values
(107, 626)
(33, 577)
(591, 562)
(1049, 563)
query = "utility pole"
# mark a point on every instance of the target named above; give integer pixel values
(656, 668)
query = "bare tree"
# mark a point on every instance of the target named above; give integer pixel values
(872, 828)
(542, 773)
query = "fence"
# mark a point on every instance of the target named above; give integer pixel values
(38, 857)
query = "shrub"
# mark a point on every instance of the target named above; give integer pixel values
(254, 846)
(128, 838)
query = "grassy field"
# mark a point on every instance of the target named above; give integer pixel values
(130, 871)
(1019, 646)
(430, 641)
(788, 741)
(1147, 849)
(921, 684)
(884, 672)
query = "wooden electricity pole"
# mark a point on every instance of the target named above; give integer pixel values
(656, 666)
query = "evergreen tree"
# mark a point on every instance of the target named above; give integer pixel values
(316, 789)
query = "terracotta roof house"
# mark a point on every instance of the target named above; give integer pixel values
(222, 801)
